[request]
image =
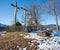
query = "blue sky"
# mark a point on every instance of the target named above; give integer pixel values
(7, 12)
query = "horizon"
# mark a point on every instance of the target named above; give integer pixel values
(7, 12)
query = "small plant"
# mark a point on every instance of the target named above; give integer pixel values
(17, 24)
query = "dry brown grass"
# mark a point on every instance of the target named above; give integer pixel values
(13, 39)
(42, 34)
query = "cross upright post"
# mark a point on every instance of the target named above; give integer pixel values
(24, 15)
(16, 10)
(30, 18)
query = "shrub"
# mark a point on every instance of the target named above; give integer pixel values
(17, 24)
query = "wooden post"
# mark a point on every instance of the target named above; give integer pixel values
(16, 10)
(24, 15)
(30, 17)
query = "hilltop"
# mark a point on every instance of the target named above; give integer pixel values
(28, 41)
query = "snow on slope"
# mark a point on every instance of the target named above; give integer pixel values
(38, 31)
(52, 43)
(56, 34)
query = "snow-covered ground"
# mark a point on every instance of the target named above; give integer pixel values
(2, 33)
(44, 43)
(52, 43)
(38, 31)
(56, 34)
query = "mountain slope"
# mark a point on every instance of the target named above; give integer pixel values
(2, 27)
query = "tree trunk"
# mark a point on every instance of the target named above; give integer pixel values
(24, 17)
(56, 23)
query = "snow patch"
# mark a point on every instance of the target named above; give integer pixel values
(52, 43)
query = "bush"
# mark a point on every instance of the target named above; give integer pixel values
(17, 24)
(47, 33)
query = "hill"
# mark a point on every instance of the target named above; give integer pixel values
(28, 41)
(2, 27)
(53, 26)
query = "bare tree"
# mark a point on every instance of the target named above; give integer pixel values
(34, 14)
(24, 15)
(53, 8)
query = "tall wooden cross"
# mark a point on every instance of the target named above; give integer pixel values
(16, 10)
(24, 15)
(30, 18)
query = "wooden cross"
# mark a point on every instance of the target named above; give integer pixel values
(24, 15)
(30, 18)
(16, 10)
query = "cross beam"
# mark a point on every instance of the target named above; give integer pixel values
(24, 8)
(16, 10)
(15, 5)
